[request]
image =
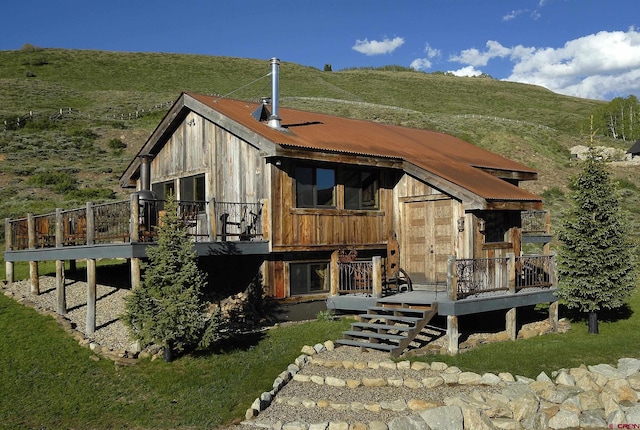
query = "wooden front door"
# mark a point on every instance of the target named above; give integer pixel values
(427, 239)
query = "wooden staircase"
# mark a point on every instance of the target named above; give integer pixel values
(389, 326)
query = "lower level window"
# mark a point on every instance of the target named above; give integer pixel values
(308, 278)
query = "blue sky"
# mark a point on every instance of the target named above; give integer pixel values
(584, 48)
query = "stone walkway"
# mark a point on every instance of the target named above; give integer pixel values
(346, 389)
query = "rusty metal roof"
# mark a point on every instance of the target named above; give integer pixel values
(448, 157)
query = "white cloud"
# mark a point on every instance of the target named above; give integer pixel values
(425, 63)
(375, 47)
(595, 66)
(513, 14)
(466, 71)
(476, 58)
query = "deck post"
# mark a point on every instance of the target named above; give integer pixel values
(335, 274)
(91, 295)
(266, 220)
(376, 274)
(33, 265)
(8, 240)
(135, 272)
(91, 223)
(546, 248)
(452, 334)
(553, 316)
(134, 236)
(452, 320)
(211, 216)
(60, 279)
(511, 317)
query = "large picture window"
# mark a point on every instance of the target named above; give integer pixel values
(192, 189)
(308, 278)
(315, 187)
(360, 189)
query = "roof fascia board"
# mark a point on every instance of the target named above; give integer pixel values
(330, 157)
(509, 174)
(175, 114)
(265, 146)
(470, 201)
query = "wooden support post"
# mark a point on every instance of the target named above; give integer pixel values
(376, 274)
(266, 220)
(91, 296)
(60, 278)
(33, 265)
(134, 234)
(211, 216)
(452, 334)
(60, 288)
(511, 324)
(8, 238)
(335, 274)
(452, 282)
(90, 224)
(546, 248)
(553, 316)
(135, 272)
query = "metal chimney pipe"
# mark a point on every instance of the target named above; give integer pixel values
(274, 119)
(145, 171)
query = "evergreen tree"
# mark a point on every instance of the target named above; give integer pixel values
(596, 266)
(167, 309)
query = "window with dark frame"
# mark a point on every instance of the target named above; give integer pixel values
(308, 278)
(315, 187)
(162, 191)
(192, 188)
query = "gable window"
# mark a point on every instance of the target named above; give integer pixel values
(360, 189)
(315, 187)
(308, 278)
(192, 189)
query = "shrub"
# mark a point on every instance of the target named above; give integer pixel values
(59, 182)
(90, 194)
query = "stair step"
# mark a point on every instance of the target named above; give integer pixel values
(373, 326)
(408, 320)
(372, 335)
(379, 309)
(379, 346)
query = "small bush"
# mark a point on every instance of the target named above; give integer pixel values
(553, 193)
(326, 315)
(59, 182)
(91, 194)
(116, 144)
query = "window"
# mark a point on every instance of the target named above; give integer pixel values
(315, 187)
(360, 189)
(192, 189)
(162, 191)
(308, 278)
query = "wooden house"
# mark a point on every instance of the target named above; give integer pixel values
(279, 191)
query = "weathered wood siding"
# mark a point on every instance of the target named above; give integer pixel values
(298, 229)
(234, 170)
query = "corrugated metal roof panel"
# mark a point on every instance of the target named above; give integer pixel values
(446, 156)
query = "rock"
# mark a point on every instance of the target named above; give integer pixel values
(413, 422)
(373, 365)
(490, 379)
(438, 366)
(359, 365)
(543, 377)
(475, 419)
(334, 382)
(633, 414)
(329, 345)
(564, 378)
(358, 426)
(395, 382)
(373, 407)
(449, 378)
(591, 420)
(634, 381)
(412, 383)
(506, 377)
(403, 365)
(468, 378)
(629, 366)
(319, 347)
(317, 379)
(308, 403)
(420, 366)
(374, 382)
(338, 425)
(607, 371)
(319, 426)
(589, 401)
(432, 381)
(357, 406)
(506, 424)
(377, 425)
(443, 417)
(296, 425)
(388, 365)
(353, 383)
(338, 406)
(564, 420)
(308, 350)
(322, 404)
(301, 361)
(251, 413)
(299, 377)
(420, 405)
(537, 421)
(395, 405)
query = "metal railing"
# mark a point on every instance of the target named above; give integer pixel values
(238, 221)
(481, 275)
(355, 277)
(45, 228)
(534, 222)
(74, 227)
(112, 222)
(19, 231)
(534, 271)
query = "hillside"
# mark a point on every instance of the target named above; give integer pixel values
(92, 110)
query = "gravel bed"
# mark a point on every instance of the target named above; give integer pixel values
(109, 333)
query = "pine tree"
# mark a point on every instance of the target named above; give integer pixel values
(596, 259)
(167, 308)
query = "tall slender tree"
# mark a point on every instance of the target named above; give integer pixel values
(596, 259)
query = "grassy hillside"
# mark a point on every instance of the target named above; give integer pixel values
(111, 101)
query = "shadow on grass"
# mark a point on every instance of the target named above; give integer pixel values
(606, 315)
(239, 342)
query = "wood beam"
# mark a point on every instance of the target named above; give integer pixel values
(91, 296)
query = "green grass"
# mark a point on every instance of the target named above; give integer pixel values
(49, 381)
(619, 337)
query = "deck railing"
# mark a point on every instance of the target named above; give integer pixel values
(355, 277)
(238, 221)
(475, 277)
(112, 222)
(535, 222)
